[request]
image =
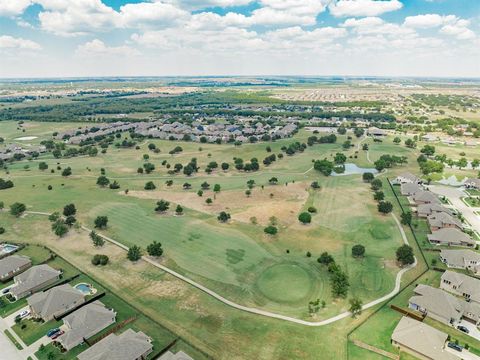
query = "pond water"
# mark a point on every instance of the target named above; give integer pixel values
(452, 181)
(26, 138)
(351, 169)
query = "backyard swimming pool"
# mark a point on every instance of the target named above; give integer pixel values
(85, 289)
(7, 248)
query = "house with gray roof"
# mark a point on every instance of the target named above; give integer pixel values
(425, 210)
(175, 356)
(461, 259)
(34, 279)
(406, 178)
(84, 323)
(425, 197)
(462, 285)
(451, 237)
(409, 189)
(443, 220)
(55, 302)
(442, 306)
(129, 345)
(376, 132)
(421, 340)
(472, 183)
(13, 265)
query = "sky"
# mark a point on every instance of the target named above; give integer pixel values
(79, 38)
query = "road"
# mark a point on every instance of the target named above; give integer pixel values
(256, 311)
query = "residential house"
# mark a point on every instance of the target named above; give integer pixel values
(461, 259)
(84, 323)
(13, 265)
(443, 220)
(425, 210)
(175, 356)
(472, 184)
(425, 197)
(450, 237)
(406, 178)
(421, 340)
(461, 284)
(376, 132)
(442, 306)
(34, 279)
(55, 302)
(129, 345)
(409, 189)
(429, 137)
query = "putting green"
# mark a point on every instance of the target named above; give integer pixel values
(285, 283)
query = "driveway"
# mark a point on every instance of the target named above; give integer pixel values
(10, 319)
(455, 195)
(474, 332)
(464, 355)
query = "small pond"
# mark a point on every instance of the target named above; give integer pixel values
(351, 169)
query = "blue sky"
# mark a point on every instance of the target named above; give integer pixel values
(49, 38)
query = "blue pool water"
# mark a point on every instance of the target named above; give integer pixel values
(84, 288)
(7, 248)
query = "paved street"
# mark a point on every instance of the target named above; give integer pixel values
(474, 332)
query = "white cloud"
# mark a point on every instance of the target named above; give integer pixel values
(97, 47)
(10, 42)
(376, 25)
(202, 4)
(13, 7)
(157, 13)
(458, 30)
(341, 8)
(428, 20)
(300, 12)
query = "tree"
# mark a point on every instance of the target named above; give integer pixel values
(355, 306)
(200, 193)
(101, 222)
(69, 210)
(149, 186)
(341, 130)
(96, 239)
(315, 185)
(405, 255)
(248, 192)
(339, 283)
(270, 230)
(17, 209)
(340, 158)
(305, 218)
(42, 165)
(325, 259)
(223, 216)
(225, 166)
(149, 167)
(70, 220)
(59, 228)
(155, 249)
(103, 181)
(205, 185)
(406, 218)
(385, 207)
(250, 183)
(101, 260)
(216, 188)
(67, 171)
(209, 201)
(358, 251)
(273, 181)
(428, 150)
(367, 177)
(114, 185)
(397, 140)
(378, 196)
(54, 216)
(179, 210)
(324, 166)
(162, 206)
(376, 184)
(312, 209)
(134, 253)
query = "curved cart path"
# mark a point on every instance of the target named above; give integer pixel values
(256, 311)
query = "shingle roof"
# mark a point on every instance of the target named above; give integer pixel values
(441, 219)
(34, 277)
(13, 262)
(465, 284)
(56, 301)
(410, 188)
(450, 236)
(458, 258)
(422, 338)
(129, 345)
(409, 176)
(178, 356)
(426, 196)
(428, 209)
(85, 322)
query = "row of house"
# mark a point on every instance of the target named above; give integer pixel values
(165, 130)
(445, 227)
(10, 151)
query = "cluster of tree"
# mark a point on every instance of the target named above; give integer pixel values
(5, 184)
(327, 139)
(405, 255)
(100, 260)
(223, 217)
(358, 251)
(17, 209)
(324, 166)
(134, 253)
(305, 218)
(175, 150)
(429, 166)
(315, 305)
(125, 144)
(294, 148)
(251, 166)
(387, 161)
(67, 171)
(97, 240)
(338, 278)
(162, 206)
(155, 249)
(101, 222)
(269, 159)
